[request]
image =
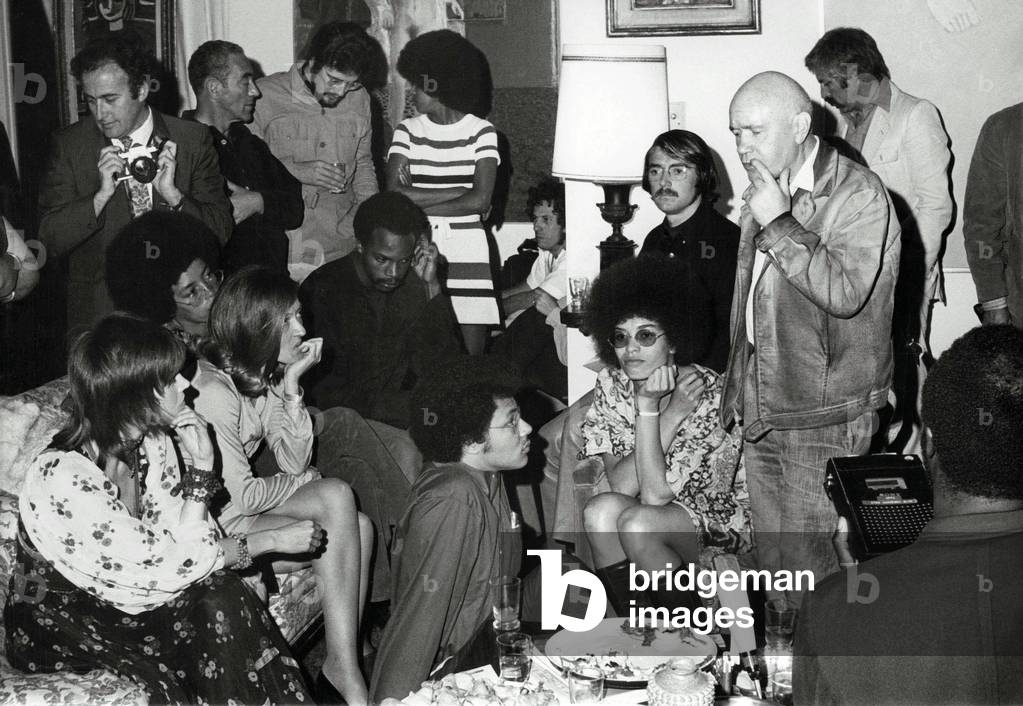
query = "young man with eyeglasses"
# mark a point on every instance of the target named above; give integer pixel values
(316, 119)
(457, 532)
(163, 266)
(266, 199)
(680, 176)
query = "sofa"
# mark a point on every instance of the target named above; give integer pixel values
(27, 423)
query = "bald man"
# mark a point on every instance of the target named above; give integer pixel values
(811, 351)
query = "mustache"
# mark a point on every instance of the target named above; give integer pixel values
(665, 191)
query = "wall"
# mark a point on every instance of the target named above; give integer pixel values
(264, 29)
(704, 72)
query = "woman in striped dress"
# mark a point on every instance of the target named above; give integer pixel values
(445, 159)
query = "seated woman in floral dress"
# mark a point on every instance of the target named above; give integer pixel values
(120, 565)
(677, 478)
(249, 391)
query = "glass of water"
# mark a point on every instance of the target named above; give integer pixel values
(585, 685)
(514, 650)
(506, 595)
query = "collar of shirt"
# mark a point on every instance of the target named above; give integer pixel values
(301, 88)
(974, 523)
(804, 177)
(144, 132)
(860, 115)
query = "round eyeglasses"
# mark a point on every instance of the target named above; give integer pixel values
(644, 337)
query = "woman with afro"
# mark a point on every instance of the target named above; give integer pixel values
(445, 159)
(678, 484)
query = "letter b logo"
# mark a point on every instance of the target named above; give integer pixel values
(555, 588)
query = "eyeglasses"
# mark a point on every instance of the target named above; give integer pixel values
(342, 83)
(644, 337)
(675, 171)
(203, 288)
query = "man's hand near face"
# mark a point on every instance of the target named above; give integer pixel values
(766, 196)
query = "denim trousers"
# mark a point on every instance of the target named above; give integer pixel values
(793, 518)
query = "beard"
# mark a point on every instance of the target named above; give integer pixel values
(329, 100)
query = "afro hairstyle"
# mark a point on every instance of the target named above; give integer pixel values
(661, 289)
(449, 67)
(149, 254)
(454, 406)
(973, 405)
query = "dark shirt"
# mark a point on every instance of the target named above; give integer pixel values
(940, 621)
(246, 161)
(456, 534)
(376, 345)
(708, 242)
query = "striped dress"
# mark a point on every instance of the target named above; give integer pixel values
(444, 156)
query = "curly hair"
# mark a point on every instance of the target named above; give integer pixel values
(212, 58)
(347, 47)
(148, 255)
(454, 407)
(114, 371)
(847, 47)
(547, 190)
(449, 67)
(973, 404)
(125, 51)
(658, 288)
(246, 323)
(392, 211)
(691, 149)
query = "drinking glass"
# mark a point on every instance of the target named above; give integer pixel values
(585, 685)
(781, 688)
(781, 622)
(505, 595)
(344, 175)
(579, 290)
(513, 655)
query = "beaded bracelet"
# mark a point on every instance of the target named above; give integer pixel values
(199, 484)
(243, 560)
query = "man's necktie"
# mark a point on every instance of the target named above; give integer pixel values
(141, 198)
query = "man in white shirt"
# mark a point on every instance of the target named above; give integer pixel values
(811, 356)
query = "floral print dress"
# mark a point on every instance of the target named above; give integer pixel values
(145, 597)
(704, 464)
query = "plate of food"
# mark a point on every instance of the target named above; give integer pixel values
(628, 655)
(480, 687)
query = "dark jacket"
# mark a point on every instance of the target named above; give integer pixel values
(69, 226)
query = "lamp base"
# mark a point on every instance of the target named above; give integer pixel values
(615, 210)
(614, 250)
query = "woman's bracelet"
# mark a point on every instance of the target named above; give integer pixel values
(243, 558)
(199, 484)
(641, 413)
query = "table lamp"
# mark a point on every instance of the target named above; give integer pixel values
(612, 103)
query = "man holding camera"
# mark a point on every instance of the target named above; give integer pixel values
(126, 161)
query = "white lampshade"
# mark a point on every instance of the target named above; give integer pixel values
(612, 103)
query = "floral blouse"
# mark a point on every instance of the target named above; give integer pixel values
(72, 514)
(242, 424)
(705, 468)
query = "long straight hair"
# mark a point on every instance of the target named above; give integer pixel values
(116, 370)
(246, 323)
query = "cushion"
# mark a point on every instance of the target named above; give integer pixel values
(297, 602)
(27, 424)
(95, 687)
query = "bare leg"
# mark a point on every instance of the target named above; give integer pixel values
(342, 571)
(600, 518)
(655, 535)
(475, 338)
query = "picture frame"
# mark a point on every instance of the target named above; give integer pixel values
(79, 21)
(484, 10)
(653, 18)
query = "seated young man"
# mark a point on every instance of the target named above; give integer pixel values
(534, 305)
(937, 621)
(384, 321)
(457, 531)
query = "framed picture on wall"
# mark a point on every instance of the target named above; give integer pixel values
(79, 21)
(651, 18)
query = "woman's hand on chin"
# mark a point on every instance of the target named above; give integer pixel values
(650, 391)
(687, 392)
(308, 355)
(192, 432)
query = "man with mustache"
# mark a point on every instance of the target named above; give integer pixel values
(811, 355)
(265, 198)
(901, 138)
(682, 180)
(384, 321)
(316, 119)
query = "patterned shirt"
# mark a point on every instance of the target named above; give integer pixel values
(72, 514)
(704, 464)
